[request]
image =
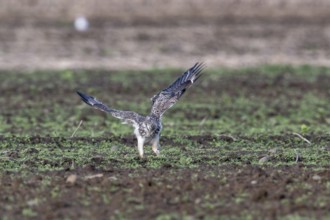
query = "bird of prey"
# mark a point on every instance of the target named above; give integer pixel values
(148, 128)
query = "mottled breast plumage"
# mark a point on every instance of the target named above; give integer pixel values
(150, 127)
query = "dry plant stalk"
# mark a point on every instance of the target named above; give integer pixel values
(77, 128)
(302, 138)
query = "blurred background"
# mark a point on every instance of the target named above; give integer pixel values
(143, 34)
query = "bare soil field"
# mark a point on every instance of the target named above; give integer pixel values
(144, 193)
(141, 35)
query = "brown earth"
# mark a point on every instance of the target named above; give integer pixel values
(206, 191)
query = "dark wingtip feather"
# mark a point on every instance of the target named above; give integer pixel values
(84, 97)
(80, 94)
(198, 76)
(199, 66)
(198, 70)
(190, 76)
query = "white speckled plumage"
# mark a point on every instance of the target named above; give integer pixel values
(148, 128)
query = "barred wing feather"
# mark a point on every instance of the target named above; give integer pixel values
(169, 96)
(127, 117)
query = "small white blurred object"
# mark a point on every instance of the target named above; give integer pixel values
(81, 23)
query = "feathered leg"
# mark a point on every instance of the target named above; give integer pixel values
(140, 146)
(155, 146)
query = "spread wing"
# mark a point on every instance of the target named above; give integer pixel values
(128, 117)
(166, 98)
